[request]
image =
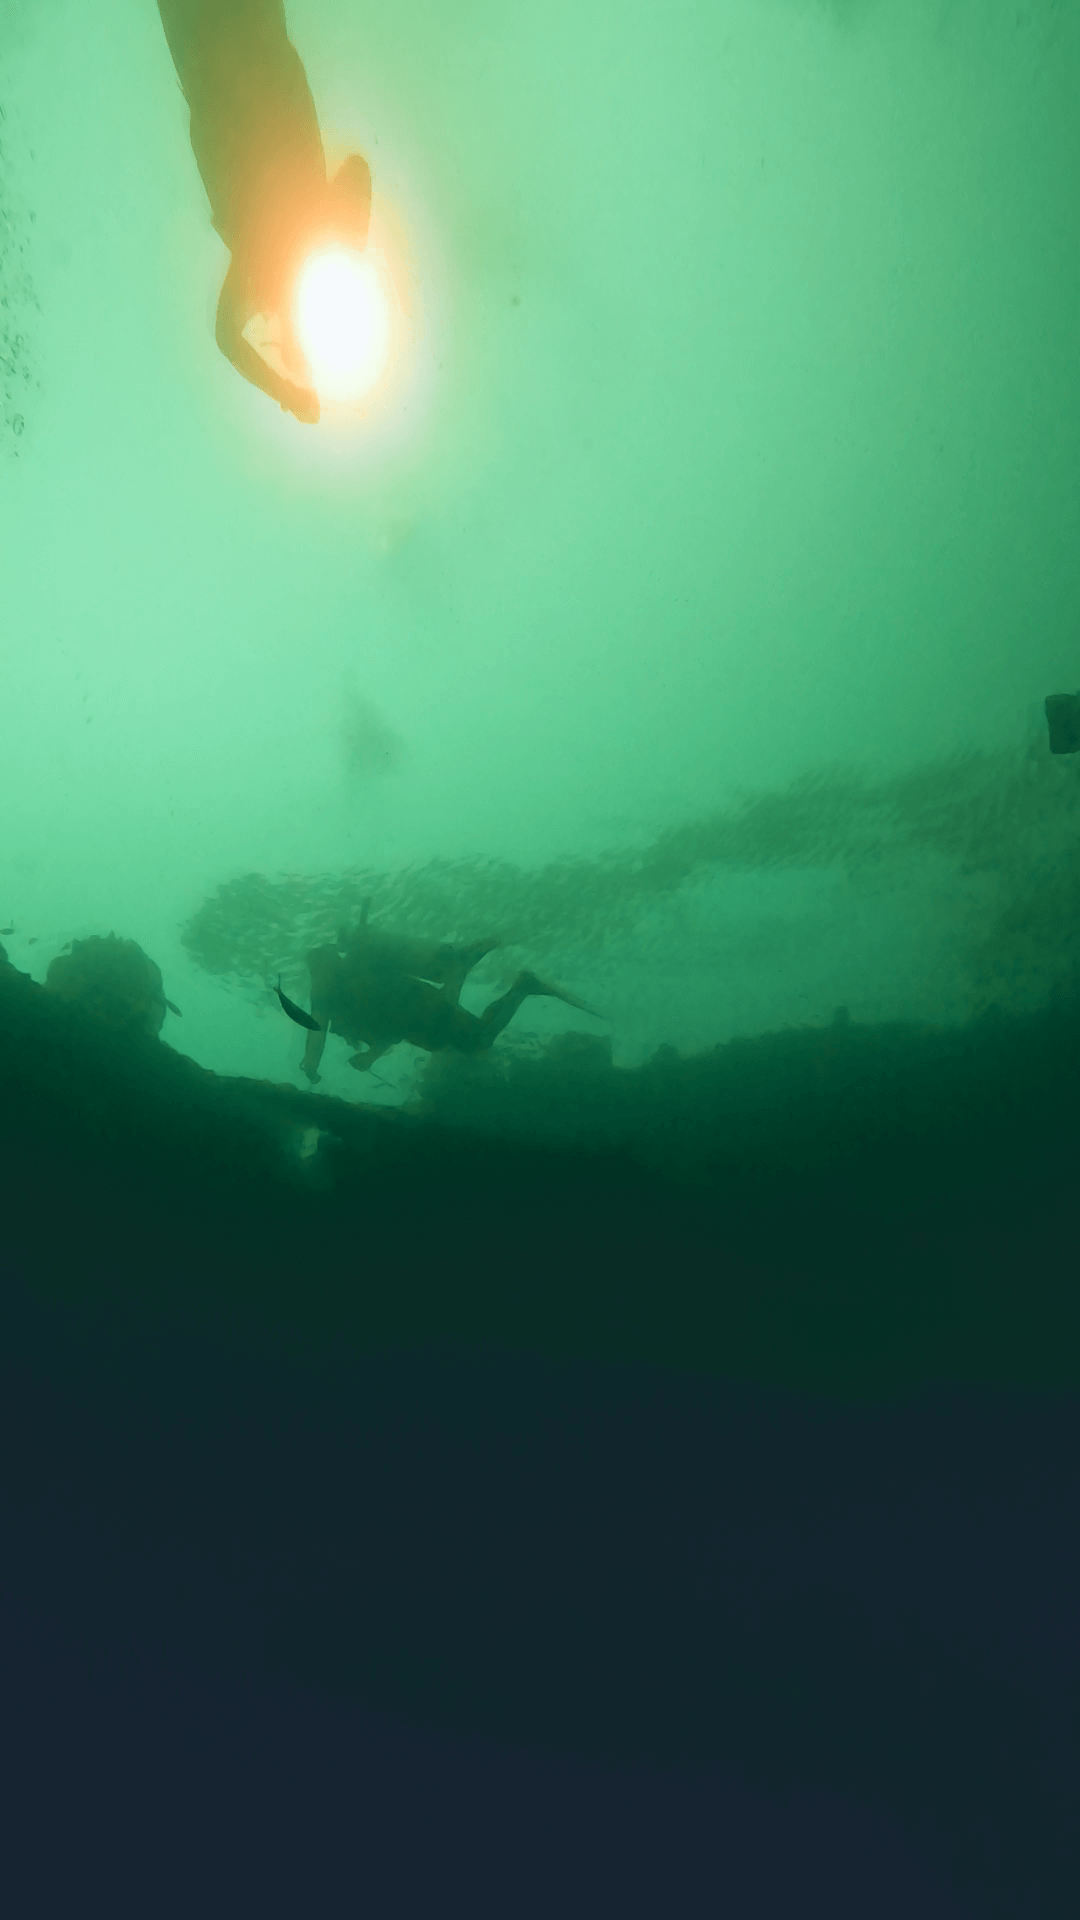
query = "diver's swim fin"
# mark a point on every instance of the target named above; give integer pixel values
(559, 993)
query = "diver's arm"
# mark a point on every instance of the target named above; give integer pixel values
(313, 1053)
(232, 317)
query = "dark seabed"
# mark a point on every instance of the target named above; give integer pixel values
(445, 1520)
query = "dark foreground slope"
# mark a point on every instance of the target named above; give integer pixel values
(720, 1418)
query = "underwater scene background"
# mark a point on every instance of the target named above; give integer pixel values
(627, 1467)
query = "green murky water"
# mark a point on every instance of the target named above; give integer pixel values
(682, 608)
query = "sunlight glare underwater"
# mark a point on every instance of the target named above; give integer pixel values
(342, 320)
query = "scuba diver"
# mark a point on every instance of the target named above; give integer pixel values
(256, 140)
(377, 989)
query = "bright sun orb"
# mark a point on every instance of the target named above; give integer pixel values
(342, 323)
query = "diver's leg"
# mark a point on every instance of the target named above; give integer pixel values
(501, 1012)
(455, 963)
(477, 950)
(362, 1061)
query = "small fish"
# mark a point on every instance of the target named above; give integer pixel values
(173, 1008)
(7, 929)
(294, 1012)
